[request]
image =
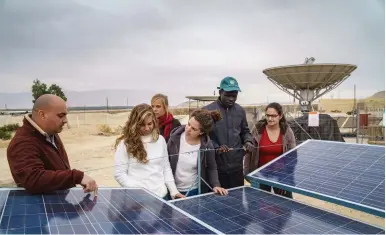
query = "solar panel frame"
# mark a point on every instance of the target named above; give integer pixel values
(49, 226)
(302, 206)
(325, 197)
(3, 201)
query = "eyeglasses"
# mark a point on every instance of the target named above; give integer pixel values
(271, 115)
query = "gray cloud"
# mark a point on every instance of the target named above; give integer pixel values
(185, 45)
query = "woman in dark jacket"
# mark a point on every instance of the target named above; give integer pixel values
(183, 147)
(274, 137)
(166, 121)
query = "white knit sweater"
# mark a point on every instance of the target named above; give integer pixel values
(156, 175)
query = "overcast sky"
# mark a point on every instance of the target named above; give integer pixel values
(187, 45)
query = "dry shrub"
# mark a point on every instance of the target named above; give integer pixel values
(118, 130)
(180, 111)
(105, 129)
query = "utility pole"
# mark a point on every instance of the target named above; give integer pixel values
(358, 123)
(85, 114)
(357, 114)
(354, 108)
(107, 104)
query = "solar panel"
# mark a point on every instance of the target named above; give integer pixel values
(116, 211)
(352, 175)
(247, 210)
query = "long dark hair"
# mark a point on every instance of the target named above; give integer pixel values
(279, 109)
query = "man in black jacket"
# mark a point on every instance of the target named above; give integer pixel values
(230, 135)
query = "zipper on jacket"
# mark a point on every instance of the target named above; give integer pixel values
(226, 114)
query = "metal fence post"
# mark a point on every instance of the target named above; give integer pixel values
(199, 171)
(358, 123)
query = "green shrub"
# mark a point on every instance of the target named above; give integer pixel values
(6, 131)
(10, 127)
(5, 135)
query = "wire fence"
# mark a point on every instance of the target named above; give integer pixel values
(195, 184)
(367, 127)
(184, 153)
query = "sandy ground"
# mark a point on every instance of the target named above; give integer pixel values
(94, 154)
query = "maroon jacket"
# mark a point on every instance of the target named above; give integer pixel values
(36, 164)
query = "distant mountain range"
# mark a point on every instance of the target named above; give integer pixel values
(378, 95)
(96, 98)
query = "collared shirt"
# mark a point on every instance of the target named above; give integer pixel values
(49, 138)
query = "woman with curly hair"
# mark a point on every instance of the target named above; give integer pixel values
(184, 144)
(141, 157)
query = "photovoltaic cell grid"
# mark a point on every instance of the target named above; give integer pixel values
(116, 211)
(352, 175)
(248, 210)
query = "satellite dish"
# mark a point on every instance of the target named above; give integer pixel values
(308, 81)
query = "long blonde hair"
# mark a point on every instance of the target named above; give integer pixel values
(164, 101)
(131, 134)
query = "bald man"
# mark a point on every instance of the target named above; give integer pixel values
(36, 155)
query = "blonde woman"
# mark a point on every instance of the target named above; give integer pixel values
(166, 121)
(141, 157)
